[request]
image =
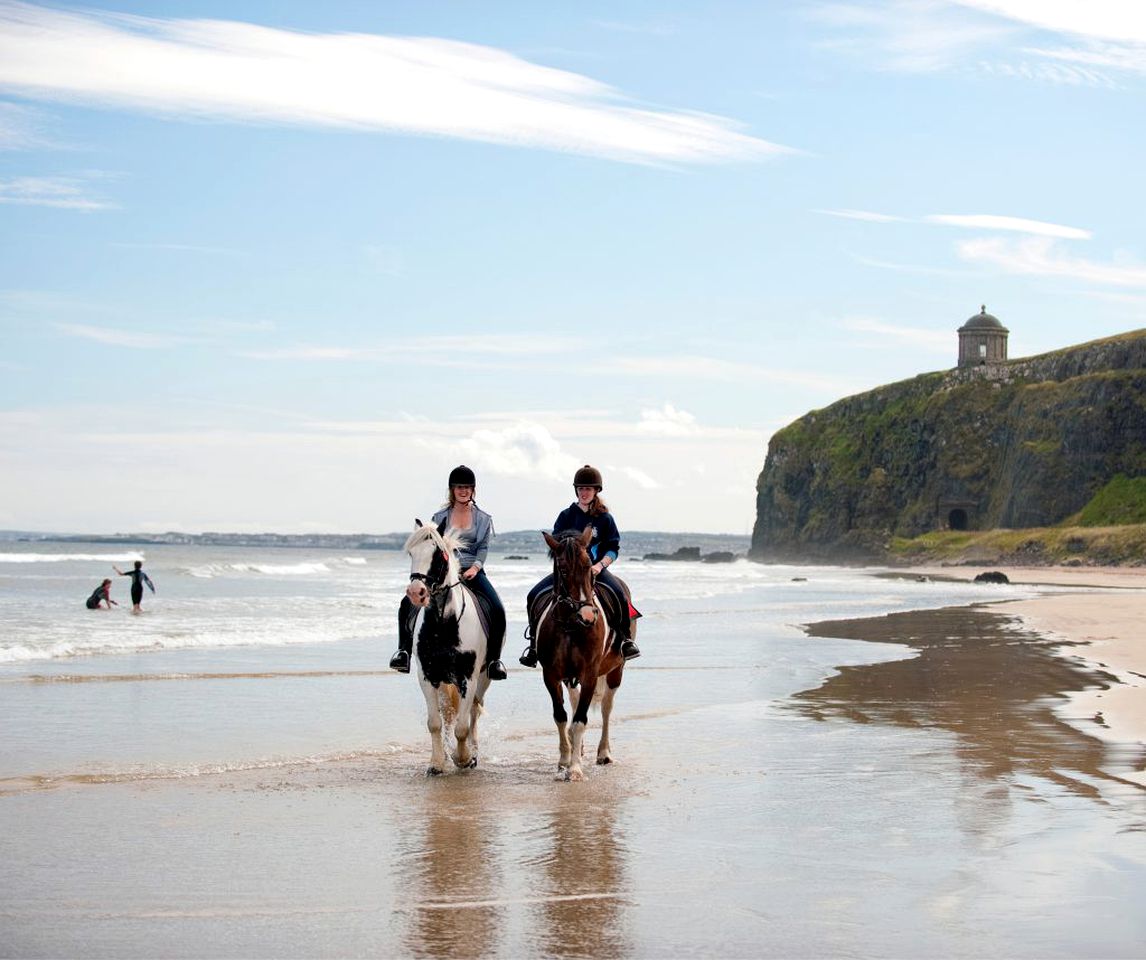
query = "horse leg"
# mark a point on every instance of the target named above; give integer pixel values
(560, 717)
(477, 709)
(434, 724)
(465, 756)
(612, 681)
(580, 721)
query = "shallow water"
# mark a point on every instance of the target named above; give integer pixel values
(269, 800)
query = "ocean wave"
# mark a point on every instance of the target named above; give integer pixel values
(209, 570)
(355, 561)
(64, 557)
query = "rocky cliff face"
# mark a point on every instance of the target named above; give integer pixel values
(1019, 444)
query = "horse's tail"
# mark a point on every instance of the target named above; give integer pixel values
(450, 699)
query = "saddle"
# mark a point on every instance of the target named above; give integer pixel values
(615, 607)
(481, 604)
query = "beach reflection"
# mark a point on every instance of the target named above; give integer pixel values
(977, 677)
(451, 874)
(581, 879)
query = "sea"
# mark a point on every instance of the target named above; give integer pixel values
(236, 772)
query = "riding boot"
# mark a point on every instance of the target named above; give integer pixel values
(496, 669)
(528, 657)
(625, 645)
(407, 614)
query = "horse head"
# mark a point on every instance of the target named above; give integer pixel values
(573, 574)
(433, 562)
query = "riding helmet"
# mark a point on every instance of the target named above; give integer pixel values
(588, 476)
(462, 476)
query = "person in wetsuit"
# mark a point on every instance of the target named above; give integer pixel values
(472, 527)
(101, 594)
(138, 579)
(589, 510)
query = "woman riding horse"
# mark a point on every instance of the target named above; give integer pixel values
(589, 510)
(471, 528)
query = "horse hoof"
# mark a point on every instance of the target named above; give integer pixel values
(574, 776)
(473, 762)
(433, 772)
(601, 761)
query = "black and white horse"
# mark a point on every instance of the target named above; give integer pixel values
(449, 645)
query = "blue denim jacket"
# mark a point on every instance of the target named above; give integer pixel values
(473, 544)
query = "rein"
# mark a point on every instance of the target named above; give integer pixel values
(563, 598)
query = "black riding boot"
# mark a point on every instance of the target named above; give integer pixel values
(407, 614)
(528, 656)
(624, 644)
(496, 669)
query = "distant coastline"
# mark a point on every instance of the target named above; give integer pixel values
(635, 543)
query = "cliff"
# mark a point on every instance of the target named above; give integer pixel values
(1023, 443)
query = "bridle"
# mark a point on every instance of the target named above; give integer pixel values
(561, 595)
(434, 586)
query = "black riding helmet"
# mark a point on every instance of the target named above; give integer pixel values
(462, 476)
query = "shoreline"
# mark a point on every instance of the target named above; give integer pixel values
(1102, 631)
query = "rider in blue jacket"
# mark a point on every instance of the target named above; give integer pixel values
(590, 510)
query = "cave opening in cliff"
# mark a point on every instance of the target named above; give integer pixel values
(957, 519)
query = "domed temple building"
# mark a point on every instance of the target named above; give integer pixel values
(982, 340)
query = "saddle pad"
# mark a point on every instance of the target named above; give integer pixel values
(481, 604)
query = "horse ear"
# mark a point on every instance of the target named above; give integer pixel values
(552, 541)
(586, 536)
(442, 527)
(417, 523)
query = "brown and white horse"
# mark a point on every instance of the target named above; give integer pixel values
(575, 652)
(449, 645)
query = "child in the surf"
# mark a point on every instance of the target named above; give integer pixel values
(101, 594)
(138, 579)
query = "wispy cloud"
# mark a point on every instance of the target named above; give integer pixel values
(421, 85)
(923, 36)
(667, 421)
(136, 340)
(938, 341)
(68, 193)
(867, 215)
(986, 221)
(972, 221)
(1043, 256)
(20, 128)
(711, 368)
(441, 350)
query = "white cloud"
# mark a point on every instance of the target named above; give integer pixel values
(19, 128)
(1042, 256)
(912, 36)
(441, 350)
(934, 340)
(864, 215)
(667, 421)
(136, 340)
(1099, 19)
(984, 221)
(68, 193)
(420, 85)
(523, 449)
(639, 477)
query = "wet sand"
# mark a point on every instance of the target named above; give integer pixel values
(924, 798)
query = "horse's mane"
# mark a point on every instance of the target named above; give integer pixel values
(562, 537)
(427, 531)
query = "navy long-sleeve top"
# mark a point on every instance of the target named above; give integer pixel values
(606, 540)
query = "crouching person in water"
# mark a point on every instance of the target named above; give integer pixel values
(472, 527)
(590, 510)
(101, 594)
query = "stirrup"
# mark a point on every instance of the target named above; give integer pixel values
(496, 670)
(400, 662)
(529, 657)
(629, 650)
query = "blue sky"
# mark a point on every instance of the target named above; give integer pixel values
(280, 266)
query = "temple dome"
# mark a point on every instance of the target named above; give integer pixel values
(982, 321)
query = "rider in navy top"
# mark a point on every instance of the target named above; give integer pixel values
(590, 510)
(472, 527)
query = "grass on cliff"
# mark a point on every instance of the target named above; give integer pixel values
(1123, 545)
(1122, 500)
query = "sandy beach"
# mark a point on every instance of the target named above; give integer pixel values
(810, 762)
(1102, 630)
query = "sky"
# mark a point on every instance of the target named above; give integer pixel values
(282, 265)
